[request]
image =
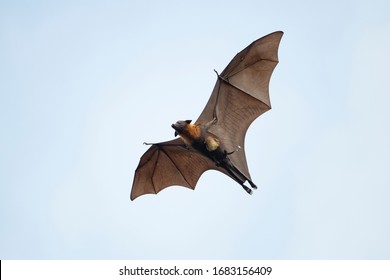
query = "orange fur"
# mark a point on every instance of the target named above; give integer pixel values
(192, 132)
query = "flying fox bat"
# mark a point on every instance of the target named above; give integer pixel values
(216, 139)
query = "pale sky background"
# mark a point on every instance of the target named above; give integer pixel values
(84, 83)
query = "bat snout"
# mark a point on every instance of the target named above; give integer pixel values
(175, 128)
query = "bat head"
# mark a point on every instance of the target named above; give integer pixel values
(180, 126)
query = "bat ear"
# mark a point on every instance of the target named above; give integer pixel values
(188, 121)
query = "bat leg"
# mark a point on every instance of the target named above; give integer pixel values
(248, 190)
(241, 182)
(221, 159)
(236, 174)
(252, 184)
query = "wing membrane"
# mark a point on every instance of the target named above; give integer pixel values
(166, 164)
(241, 94)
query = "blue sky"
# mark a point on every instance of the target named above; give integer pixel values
(84, 83)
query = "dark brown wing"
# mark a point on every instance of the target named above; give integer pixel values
(169, 163)
(241, 94)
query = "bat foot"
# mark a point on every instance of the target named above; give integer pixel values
(248, 190)
(252, 185)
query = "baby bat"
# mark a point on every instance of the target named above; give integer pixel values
(216, 139)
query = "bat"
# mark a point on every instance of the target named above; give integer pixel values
(216, 140)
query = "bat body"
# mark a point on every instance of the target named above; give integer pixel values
(216, 139)
(199, 138)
